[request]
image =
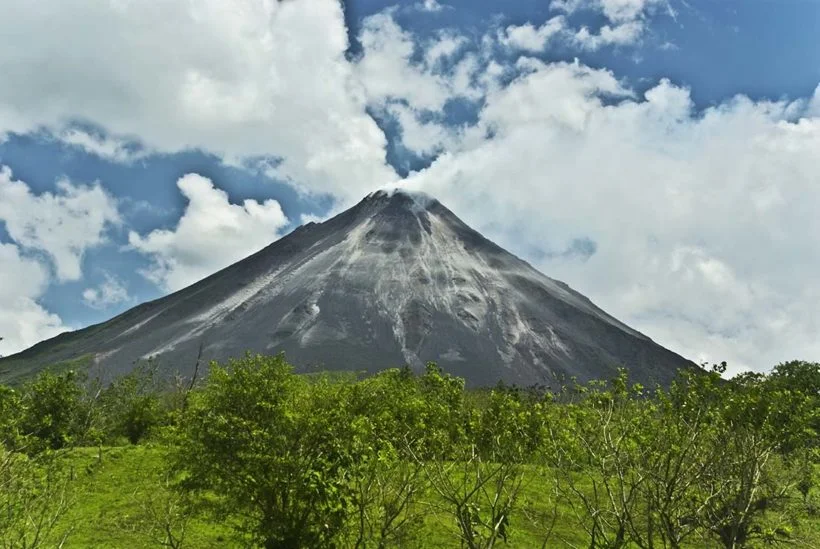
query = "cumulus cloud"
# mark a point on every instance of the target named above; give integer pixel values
(626, 25)
(704, 230)
(211, 234)
(554, 95)
(246, 78)
(607, 189)
(23, 322)
(423, 138)
(443, 47)
(387, 71)
(413, 82)
(63, 224)
(616, 11)
(110, 292)
(390, 73)
(528, 37)
(619, 35)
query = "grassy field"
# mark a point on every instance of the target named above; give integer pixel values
(117, 488)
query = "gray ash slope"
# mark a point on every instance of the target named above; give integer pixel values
(397, 279)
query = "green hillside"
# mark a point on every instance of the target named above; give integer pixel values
(257, 456)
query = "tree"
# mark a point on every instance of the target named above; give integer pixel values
(34, 496)
(678, 444)
(53, 410)
(130, 405)
(479, 495)
(760, 426)
(797, 375)
(11, 411)
(34, 490)
(385, 492)
(592, 451)
(387, 415)
(479, 478)
(274, 447)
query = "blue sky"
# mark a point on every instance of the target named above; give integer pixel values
(659, 157)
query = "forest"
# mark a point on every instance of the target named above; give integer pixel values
(254, 455)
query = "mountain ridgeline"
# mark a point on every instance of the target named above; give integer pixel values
(395, 280)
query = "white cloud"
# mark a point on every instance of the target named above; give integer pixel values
(421, 138)
(444, 47)
(111, 292)
(528, 37)
(211, 234)
(548, 95)
(386, 69)
(616, 11)
(23, 322)
(429, 6)
(390, 73)
(63, 224)
(245, 78)
(533, 39)
(706, 230)
(813, 108)
(619, 35)
(626, 24)
(415, 92)
(304, 219)
(108, 147)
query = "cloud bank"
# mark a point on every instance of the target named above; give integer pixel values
(242, 79)
(704, 235)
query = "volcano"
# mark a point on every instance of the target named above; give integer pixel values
(395, 280)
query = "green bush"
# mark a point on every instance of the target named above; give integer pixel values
(55, 413)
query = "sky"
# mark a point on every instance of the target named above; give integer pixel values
(662, 157)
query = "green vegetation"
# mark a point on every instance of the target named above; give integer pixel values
(256, 456)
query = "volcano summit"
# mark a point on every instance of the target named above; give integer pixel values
(395, 280)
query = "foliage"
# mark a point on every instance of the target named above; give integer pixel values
(34, 497)
(131, 405)
(273, 446)
(401, 459)
(387, 417)
(761, 426)
(11, 411)
(708, 458)
(54, 413)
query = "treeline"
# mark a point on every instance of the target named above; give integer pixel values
(291, 461)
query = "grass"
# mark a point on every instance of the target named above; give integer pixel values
(114, 485)
(528, 526)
